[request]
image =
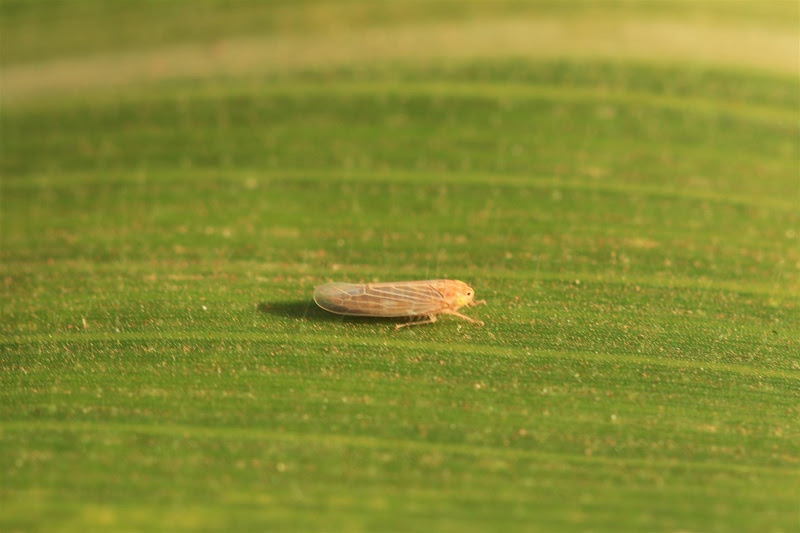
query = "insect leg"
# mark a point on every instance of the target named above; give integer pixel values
(465, 317)
(478, 302)
(431, 320)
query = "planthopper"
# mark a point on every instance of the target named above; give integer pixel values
(420, 300)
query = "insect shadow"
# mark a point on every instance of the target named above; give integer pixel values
(306, 309)
(295, 309)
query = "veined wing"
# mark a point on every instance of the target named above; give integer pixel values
(394, 299)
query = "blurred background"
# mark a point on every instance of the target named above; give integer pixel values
(618, 179)
(64, 46)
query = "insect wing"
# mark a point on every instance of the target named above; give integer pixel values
(337, 297)
(380, 299)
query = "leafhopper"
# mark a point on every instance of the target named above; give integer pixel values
(420, 300)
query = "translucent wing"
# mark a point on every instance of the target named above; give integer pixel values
(405, 298)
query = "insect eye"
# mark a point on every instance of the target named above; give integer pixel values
(469, 293)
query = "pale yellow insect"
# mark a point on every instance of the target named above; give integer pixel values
(412, 299)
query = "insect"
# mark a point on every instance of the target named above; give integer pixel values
(413, 299)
